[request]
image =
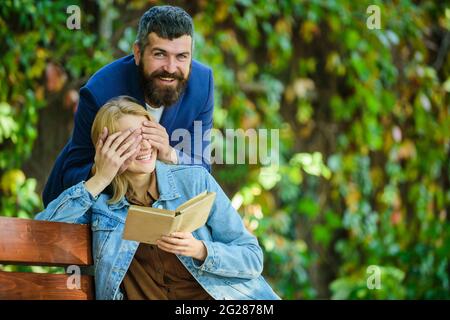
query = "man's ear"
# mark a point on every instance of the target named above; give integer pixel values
(137, 53)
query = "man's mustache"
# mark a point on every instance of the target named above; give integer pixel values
(165, 74)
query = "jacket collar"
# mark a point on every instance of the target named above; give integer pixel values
(166, 182)
(166, 185)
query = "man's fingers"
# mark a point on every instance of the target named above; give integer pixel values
(160, 131)
(152, 124)
(153, 129)
(158, 146)
(156, 142)
(153, 138)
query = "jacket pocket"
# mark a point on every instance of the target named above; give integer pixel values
(242, 287)
(102, 227)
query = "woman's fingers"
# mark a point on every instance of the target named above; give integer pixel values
(171, 248)
(182, 235)
(129, 156)
(177, 242)
(99, 145)
(136, 135)
(104, 134)
(101, 139)
(118, 139)
(117, 142)
(183, 243)
(127, 144)
(110, 140)
(174, 241)
(131, 153)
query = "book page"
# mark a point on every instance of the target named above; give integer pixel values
(194, 216)
(191, 201)
(147, 227)
(152, 210)
(148, 224)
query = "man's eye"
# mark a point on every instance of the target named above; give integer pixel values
(159, 54)
(182, 57)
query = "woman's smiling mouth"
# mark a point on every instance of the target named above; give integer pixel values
(145, 157)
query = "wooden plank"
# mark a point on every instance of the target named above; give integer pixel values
(25, 241)
(39, 286)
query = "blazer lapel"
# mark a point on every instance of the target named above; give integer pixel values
(136, 89)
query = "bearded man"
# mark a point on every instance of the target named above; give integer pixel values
(162, 76)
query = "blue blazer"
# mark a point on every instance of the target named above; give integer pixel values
(121, 77)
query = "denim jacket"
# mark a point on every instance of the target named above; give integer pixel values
(234, 262)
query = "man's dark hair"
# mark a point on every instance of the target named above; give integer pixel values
(167, 22)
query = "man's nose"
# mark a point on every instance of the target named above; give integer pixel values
(171, 65)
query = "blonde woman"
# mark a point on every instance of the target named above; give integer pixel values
(220, 260)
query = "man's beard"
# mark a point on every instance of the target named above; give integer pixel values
(162, 95)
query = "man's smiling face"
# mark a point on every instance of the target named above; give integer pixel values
(164, 67)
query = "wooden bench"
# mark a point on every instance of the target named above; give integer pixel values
(43, 243)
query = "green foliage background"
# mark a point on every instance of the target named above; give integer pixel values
(363, 118)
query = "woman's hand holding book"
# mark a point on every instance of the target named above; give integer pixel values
(183, 243)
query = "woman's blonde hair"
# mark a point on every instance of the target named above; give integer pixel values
(108, 117)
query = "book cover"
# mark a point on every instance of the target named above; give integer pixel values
(148, 224)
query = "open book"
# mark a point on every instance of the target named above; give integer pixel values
(148, 224)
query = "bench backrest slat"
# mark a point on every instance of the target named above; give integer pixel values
(24, 241)
(38, 286)
(31, 242)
